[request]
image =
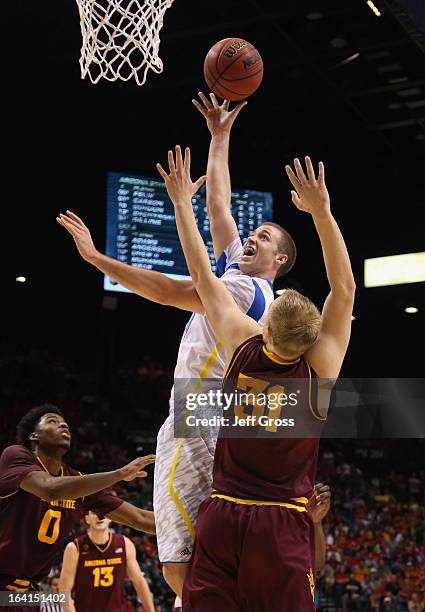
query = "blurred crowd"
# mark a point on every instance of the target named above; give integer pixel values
(374, 531)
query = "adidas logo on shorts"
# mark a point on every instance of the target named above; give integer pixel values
(186, 551)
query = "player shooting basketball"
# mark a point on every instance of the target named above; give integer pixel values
(41, 498)
(265, 560)
(183, 469)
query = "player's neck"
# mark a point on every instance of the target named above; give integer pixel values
(51, 462)
(270, 349)
(98, 537)
(267, 275)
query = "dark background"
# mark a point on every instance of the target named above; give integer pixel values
(364, 118)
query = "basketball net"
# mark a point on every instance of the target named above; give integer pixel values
(121, 38)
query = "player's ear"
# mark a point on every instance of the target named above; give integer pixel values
(267, 333)
(281, 258)
(33, 436)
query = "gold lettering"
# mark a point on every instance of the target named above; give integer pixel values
(64, 503)
(94, 562)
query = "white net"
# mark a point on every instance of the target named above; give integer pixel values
(121, 38)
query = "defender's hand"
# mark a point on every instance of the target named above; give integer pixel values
(135, 468)
(178, 183)
(311, 194)
(80, 233)
(320, 503)
(219, 118)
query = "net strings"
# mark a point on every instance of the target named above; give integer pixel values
(120, 38)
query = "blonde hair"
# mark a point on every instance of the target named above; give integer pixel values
(294, 322)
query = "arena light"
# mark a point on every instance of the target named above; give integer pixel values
(374, 8)
(279, 291)
(20, 279)
(394, 270)
(353, 318)
(411, 309)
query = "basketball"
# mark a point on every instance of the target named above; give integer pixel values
(233, 69)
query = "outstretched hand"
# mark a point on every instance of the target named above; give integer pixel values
(81, 234)
(178, 182)
(219, 118)
(311, 194)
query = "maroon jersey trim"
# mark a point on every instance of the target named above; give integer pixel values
(107, 545)
(44, 467)
(9, 494)
(317, 414)
(277, 359)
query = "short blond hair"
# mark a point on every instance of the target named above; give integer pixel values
(294, 322)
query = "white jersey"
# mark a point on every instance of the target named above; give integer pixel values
(183, 466)
(200, 354)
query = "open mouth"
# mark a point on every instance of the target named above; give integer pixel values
(249, 250)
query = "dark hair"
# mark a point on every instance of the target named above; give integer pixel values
(29, 422)
(287, 246)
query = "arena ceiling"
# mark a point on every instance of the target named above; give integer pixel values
(340, 84)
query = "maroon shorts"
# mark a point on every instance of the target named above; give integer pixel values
(251, 558)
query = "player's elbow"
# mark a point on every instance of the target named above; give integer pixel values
(346, 291)
(168, 293)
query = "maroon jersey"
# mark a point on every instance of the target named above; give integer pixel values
(101, 571)
(272, 468)
(34, 531)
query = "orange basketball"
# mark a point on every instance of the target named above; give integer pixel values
(233, 69)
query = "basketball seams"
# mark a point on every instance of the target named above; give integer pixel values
(237, 57)
(213, 80)
(238, 93)
(244, 77)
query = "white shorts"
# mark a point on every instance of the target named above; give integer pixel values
(183, 478)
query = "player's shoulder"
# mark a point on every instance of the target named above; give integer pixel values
(130, 548)
(229, 257)
(74, 545)
(17, 451)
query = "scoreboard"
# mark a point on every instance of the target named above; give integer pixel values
(141, 228)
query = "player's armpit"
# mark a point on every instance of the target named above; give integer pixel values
(327, 354)
(127, 514)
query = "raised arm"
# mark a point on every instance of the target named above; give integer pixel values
(68, 573)
(53, 488)
(230, 325)
(149, 284)
(310, 195)
(134, 574)
(219, 122)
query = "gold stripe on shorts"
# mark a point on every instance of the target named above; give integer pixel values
(257, 502)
